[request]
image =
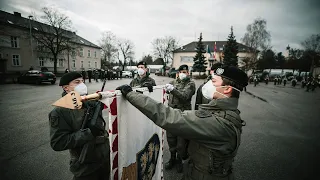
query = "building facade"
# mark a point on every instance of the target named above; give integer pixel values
(186, 53)
(19, 51)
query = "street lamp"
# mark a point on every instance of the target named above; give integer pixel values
(31, 38)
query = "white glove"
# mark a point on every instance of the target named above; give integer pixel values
(168, 87)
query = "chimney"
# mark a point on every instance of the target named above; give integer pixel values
(17, 14)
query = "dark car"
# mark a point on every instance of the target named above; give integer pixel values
(37, 77)
(172, 73)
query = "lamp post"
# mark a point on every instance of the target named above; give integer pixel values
(31, 37)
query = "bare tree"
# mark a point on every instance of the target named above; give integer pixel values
(108, 43)
(54, 34)
(125, 51)
(257, 38)
(312, 48)
(164, 47)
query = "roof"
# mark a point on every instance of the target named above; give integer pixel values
(191, 47)
(16, 20)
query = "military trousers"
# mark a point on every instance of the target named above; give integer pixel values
(103, 173)
(192, 173)
(177, 144)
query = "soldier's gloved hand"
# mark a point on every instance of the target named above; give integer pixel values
(169, 87)
(94, 131)
(125, 89)
(149, 86)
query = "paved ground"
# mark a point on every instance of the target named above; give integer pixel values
(280, 141)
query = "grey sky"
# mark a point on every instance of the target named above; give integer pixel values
(289, 21)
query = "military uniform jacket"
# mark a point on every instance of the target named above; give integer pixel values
(213, 131)
(140, 82)
(66, 133)
(180, 96)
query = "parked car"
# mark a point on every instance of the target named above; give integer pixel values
(172, 73)
(37, 77)
(126, 74)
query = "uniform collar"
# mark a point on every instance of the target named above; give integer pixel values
(223, 103)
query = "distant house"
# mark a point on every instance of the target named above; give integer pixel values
(16, 50)
(186, 53)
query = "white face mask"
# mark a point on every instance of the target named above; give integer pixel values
(182, 76)
(209, 89)
(81, 89)
(141, 71)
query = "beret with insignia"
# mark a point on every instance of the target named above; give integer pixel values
(183, 67)
(142, 63)
(234, 74)
(68, 77)
(216, 65)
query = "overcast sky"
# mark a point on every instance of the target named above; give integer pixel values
(141, 21)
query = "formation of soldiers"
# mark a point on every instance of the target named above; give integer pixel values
(310, 83)
(202, 142)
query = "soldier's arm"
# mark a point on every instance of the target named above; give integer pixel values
(63, 137)
(185, 124)
(185, 94)
(132, 82)
(198, 98)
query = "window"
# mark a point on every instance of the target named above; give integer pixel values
(89, 53)
(186, 59)
(81, 52)
(81, 64)
(41, 61)
(16, 60)
(74, 63)
(89, 64)
(95, 54)
(95, 64)
(73, 54)
(14, 42)
(61, 62)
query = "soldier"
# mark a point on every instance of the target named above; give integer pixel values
(66, 132)
(214, 130)
(83, 73)
(143, 79)
(181, 91)
(200, 99)
(89, 74)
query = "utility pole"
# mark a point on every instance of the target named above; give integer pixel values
(31, 38)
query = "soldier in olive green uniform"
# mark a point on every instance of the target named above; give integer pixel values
(143, 79)
(181, 91)
(200, 99)
(89, 147)
(214, 130)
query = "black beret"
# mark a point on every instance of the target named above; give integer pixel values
(216, 65)
(234, 74)
(183, 67)
(142, 63)
(67, 78)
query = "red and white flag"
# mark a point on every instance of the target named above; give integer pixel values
(136, 142)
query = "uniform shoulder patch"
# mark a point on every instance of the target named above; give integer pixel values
(54, 121)
(203, 113)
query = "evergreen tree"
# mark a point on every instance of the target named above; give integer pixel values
(199, 60)
(230, 51)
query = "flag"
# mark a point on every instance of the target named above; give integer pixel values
(214, 50)
(208, 51)
(136, 142)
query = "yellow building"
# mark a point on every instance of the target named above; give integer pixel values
(17, 54)
(186, 53)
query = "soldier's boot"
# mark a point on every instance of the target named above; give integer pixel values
(171, 162)
(179, 164)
